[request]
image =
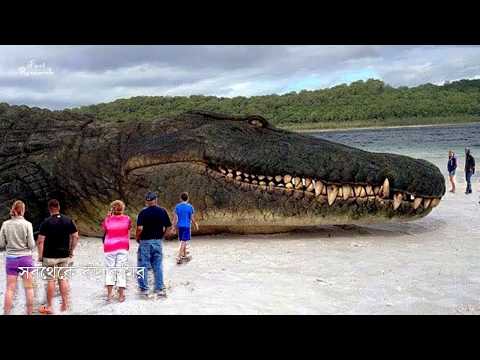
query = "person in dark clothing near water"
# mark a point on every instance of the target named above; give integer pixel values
(153, 223)
(452, 167)
(56, 243)
(469, 170)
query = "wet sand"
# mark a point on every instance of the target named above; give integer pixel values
(426, 267)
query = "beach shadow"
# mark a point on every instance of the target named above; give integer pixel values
(380, 231)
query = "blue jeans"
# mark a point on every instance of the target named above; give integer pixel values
(150, 256)
(468, 177)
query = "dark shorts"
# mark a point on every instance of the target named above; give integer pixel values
(14, 263)
(183, 233)
(451, 173)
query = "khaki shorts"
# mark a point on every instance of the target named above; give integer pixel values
(55, 268)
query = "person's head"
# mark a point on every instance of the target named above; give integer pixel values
(54, 206)
(450, 153)
(184, 196)
(18, 208)
(467, 151)
(151, 198)
(117, 207)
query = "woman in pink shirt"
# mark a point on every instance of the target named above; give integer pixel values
(116, 245)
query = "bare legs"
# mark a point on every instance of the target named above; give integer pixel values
(28, 285)
(452, 182)
(182, 250)
(10, 293)
(121, 294)
(64, 292)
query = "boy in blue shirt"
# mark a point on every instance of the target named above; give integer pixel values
(183, 219)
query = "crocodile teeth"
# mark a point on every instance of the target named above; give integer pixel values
(426, 203)
(261, 177)
(357, 190)
(347, 191)
(238, 178)
(307, 182)
(271, 183)
(369, 190)
(397, 200)
(287, 179)
(262, 183)
(435, 202)
(376, 190)
(238, 173)
(298, 183)
(363, 192)
(254, 182)
(417, 202)
(318, 187)
(289, 186)
(278, 178)
(340, 191)
(332, 192)
(246, 175)
(269, 178)
(223, 171)
(386, 189)
(230, 175)
(310, 187)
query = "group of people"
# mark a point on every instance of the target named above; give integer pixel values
(58, 237)
(452, 165)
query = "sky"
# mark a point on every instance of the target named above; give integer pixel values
(58, 77)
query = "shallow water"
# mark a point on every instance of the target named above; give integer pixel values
(428, 266)
(430, 143)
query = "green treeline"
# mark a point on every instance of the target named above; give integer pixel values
(362, 103)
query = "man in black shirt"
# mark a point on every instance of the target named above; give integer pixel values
(152, 223)
(469, 170)
(56, 242)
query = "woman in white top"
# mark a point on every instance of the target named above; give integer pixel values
(16, 235)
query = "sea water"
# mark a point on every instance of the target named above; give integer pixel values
(430, 143)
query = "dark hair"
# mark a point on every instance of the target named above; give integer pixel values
(53, 204)
(184, 196)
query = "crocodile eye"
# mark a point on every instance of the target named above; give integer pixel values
(255, 122)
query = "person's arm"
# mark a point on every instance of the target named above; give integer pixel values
(169, 230)
(74, 238)
(3, 239)
(138, 233)
(41, 240)
(40, 243)
(175, 219)
(30, 239)
(195, 224)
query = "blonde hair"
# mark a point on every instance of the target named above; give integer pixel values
(117, 207)
(18, 208)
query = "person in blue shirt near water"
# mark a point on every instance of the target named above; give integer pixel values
(452, 167)
(184, 217)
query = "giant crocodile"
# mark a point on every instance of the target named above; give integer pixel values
(242, 173)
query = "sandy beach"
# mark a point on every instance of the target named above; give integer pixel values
(426, 267)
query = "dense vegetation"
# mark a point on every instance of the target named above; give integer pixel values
(362, 103)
